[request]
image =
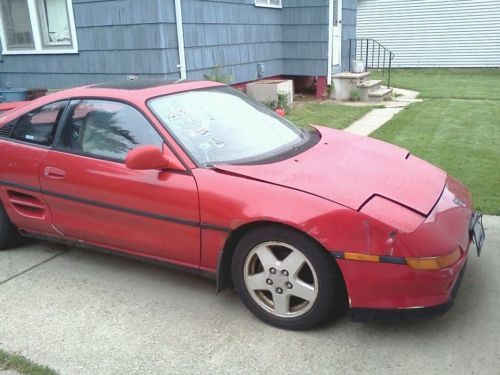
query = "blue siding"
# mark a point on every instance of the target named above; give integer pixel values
(122, 37)
(116, 38)
(305, 31)
(233, 34)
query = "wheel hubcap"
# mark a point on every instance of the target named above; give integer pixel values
(280, 279)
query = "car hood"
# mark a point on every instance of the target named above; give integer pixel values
(349, 170)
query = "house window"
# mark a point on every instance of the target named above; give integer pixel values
(37, 27)
(268, 3)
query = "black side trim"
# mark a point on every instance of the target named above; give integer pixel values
(393, 260)
(215, 227)
(338, 254)
(19, 186)
(123, 209)
(390, 315)
(119, 209)
(383, 258)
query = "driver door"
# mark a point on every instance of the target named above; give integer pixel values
(95, 198)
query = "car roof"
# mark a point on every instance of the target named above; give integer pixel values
(139, 90)
(135, 84)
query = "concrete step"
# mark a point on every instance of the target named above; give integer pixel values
(345, 82)
(349, 75)
(365, 87)
(369, 84)
(378, 96)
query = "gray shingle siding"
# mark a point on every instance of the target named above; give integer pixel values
(233, 34)
(117, 38)
(305, 37)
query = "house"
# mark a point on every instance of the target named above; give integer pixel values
(430, 33)
(64, 43)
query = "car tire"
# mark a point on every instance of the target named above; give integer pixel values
(8, 232)
(287, 279)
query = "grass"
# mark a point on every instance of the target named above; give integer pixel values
(460, 136)
(448, 83)
(22, 365)
(326, 113)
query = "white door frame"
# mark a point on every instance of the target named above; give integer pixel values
(334, 37)
(337, 36)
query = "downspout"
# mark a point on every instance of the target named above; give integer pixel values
(180, 39)
(330, 42)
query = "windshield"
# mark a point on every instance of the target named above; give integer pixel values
(223, 125)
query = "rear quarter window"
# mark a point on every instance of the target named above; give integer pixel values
(38, 126)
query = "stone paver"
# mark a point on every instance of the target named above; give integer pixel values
(90, 313)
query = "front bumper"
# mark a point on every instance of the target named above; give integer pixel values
(384, 291)
(397, 288)
(367, 314)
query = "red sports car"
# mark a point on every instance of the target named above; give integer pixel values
(303, 222)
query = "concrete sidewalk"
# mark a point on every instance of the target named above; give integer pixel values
(89, 313)
(379, 116)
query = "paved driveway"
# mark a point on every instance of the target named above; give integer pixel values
(88, 313)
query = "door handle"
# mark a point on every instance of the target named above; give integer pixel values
(54, 173)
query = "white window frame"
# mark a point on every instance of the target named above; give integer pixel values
(40, 48)
(267, 4)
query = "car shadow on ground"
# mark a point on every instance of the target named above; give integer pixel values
(193, 286)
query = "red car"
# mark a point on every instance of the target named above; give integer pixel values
(195, 174)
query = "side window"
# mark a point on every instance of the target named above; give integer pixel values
(39, 126)
(106, 129)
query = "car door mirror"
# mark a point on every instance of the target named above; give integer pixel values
(146, 157)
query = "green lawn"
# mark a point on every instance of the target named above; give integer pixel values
(448, 83)
(22, 365)
(460, 136)
(326, 113)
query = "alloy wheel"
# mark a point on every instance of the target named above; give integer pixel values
(280, 279)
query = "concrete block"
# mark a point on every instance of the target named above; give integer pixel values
(266, 91)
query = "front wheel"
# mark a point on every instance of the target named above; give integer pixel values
(286, 279)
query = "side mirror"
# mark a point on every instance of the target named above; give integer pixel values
(146, 157)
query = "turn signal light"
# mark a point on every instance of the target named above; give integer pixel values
(363, 257)
(435, 263)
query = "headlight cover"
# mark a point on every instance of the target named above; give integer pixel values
(393, 214)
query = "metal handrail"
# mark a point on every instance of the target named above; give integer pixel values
(376, 57)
